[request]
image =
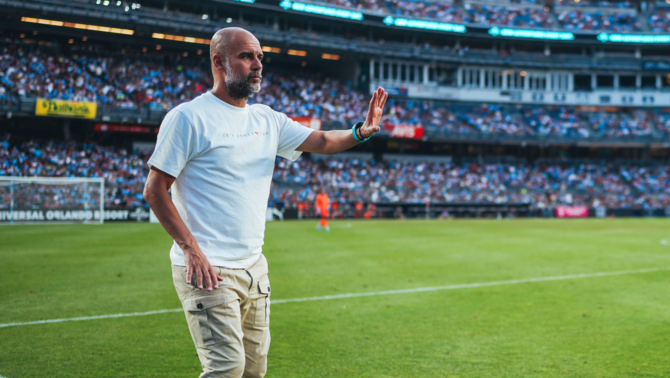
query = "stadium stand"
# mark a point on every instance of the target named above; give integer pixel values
(311, 96)
(136, 82)
(543, 184)
(144, 78)
(120, 81)
(571, 16)
(508, 15)
(659, 17)
(596, 4)
(124, 172)
(573, 19)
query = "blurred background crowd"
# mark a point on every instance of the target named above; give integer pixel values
(544, 184)
(142, 82)
(620, 16)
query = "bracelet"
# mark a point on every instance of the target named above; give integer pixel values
(355, 130)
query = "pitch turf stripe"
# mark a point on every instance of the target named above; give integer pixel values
(369, 294)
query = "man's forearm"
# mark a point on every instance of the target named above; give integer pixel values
(197, 265)
(336, 141)
(161, 204)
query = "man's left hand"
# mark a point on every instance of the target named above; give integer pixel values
(371, 124)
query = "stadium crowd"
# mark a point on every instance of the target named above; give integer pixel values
(135, 83)
(526, 120)
(132, 83)
(659, 19)
(611, 21)
(317, 97)
(544, 184)
(124, 173)
(596, 4)
(508, 13)
(34, 71)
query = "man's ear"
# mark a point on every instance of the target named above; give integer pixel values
(219, 63)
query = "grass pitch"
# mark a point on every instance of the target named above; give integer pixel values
(615, 326)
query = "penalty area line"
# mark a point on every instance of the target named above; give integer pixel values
(368, 294)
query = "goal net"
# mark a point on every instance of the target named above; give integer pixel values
(51, 200)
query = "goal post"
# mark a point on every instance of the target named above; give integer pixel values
(51, 200)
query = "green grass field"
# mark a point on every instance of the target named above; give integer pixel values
(611, 326)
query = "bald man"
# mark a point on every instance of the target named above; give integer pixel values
(217, 155)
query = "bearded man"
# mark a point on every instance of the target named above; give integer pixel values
(217, 155)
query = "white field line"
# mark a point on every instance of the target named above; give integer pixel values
(90, 318)
(466, 286)
(369, 294)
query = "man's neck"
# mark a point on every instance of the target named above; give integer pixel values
(221, 92)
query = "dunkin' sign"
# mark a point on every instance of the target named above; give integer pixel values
(404, 130)
(572, 211)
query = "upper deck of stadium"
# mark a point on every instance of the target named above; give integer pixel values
(570, 35)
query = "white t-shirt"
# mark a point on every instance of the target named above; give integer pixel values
(223, 157)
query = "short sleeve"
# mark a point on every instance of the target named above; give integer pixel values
(291, 136)
(175, 144)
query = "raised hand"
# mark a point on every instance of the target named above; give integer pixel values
(371, 124)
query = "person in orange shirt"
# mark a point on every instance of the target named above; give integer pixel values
(322, 209)
(359, 210)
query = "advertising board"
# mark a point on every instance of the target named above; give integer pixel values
(137, 214)
(404, 131)
(68, 109)
(572, 211)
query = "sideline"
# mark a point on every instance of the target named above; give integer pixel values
(369, 294)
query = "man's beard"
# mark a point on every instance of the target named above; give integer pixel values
(239, 86)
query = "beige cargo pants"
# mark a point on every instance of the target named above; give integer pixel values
(230, 325)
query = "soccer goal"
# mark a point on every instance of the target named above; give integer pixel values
(52, 200)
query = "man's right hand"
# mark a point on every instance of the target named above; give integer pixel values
(197, 263)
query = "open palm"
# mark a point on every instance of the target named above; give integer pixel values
(371, 124)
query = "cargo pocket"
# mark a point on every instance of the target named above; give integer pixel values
(263, 303)
(206, 320)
